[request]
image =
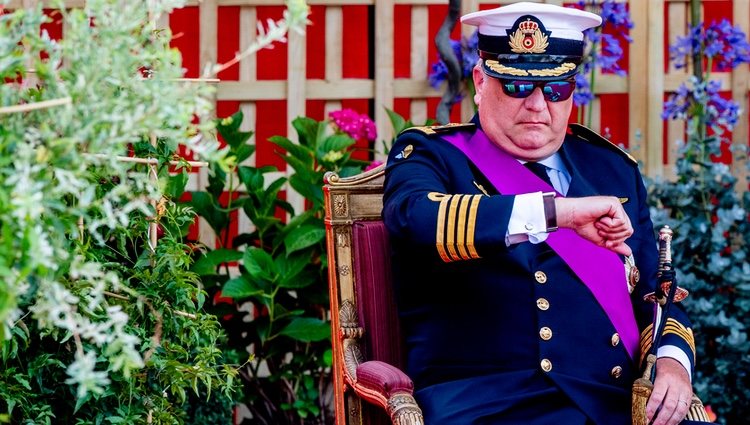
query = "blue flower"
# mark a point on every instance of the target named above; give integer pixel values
(467, 54)
(603, 48)
(724, 44)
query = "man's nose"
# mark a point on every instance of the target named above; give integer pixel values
(535, 101)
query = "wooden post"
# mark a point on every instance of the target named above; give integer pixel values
(655, 89)
(740, 82)
(208, 12)
(334, 52)
(295, 101)
(420, 37)
(638, 76)
(383, 69)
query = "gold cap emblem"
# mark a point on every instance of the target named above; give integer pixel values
(528, 38)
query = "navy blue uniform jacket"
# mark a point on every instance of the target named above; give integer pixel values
(496, 334)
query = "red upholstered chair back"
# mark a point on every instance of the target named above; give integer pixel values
(376, 306)
(364, 321)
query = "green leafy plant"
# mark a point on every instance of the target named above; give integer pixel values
(280, 275)
(99, 324)
(710, 218)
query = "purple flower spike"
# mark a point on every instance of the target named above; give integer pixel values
(603, 49)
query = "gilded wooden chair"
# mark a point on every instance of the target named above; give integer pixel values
(369, 387)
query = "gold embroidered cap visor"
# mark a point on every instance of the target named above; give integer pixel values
(531, 41)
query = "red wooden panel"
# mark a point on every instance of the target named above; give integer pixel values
(402, 106)
(615, 118)
(714, 11)
(666, 142)
(356, 27)
(432, 104)
(271, 121)
(53, 28)
(436, 16)
(665, 41)
(271, 63)
(402, 41)
(185, 26)
(228, 34)
(315, 109)
(316, 43)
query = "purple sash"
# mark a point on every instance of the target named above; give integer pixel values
(600, 269)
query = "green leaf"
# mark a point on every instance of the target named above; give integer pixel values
(229, 129)
(337, 142)
(303, 237)
(300, 152)
(207, 264)
(204, 205)
(308, 130)
(216, 181)
(307, 329)
(397, 121)
(243, 152)
(259, 264)
(239, 288)
(176, 185)
(328, 358)
(301, 280)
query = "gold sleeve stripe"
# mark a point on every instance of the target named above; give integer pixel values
(677, 328)
(471, 225)
(461, 225)
(450, 239)
(672, 327)
(647, 340)
(440, 231)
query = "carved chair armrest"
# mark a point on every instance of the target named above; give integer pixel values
(387, 386)
(377, 382)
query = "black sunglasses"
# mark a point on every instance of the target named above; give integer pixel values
(553, 91)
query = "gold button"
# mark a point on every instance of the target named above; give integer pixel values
(616, 372)
(615, 339)
(543, 304)
(546, 365)
(540, 277)
(545, 333)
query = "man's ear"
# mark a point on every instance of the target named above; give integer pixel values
(478, 76)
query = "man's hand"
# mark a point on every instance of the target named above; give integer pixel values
(672, 391)
(599, 219)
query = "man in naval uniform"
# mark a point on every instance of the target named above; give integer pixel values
(509, 237)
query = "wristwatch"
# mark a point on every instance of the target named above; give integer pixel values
(550, 213)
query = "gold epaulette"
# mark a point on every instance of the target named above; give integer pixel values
(441, 129)
(592, 136)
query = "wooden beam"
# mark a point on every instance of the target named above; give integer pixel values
(637, 83)
(740, 86)
(384, 69)
(655, 88)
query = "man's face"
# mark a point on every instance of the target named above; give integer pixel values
(530, 128)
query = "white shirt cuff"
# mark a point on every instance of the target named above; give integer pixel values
(527, 220)
(677, 354)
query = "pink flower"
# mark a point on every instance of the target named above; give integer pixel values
(373, 164)
(354, 124)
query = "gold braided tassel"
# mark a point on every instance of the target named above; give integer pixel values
(642, 388)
